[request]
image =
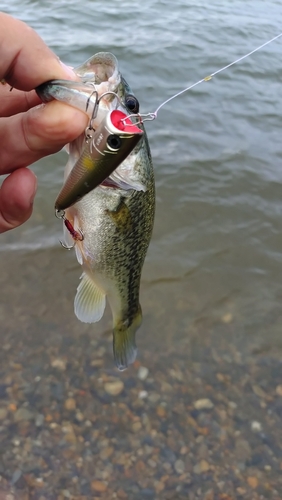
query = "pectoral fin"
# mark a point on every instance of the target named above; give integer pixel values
(90, 301)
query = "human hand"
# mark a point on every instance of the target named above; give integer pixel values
(28, 131)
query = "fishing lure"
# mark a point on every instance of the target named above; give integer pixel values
(105, 149)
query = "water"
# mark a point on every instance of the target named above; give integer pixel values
(216, 251)
(216, 149)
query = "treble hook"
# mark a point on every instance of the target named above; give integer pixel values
(77, 235)
(95, 109)
(66, 246)
(89, 99)
(110, 92)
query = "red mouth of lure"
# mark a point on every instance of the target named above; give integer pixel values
(123, 123)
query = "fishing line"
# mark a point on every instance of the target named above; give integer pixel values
(153, 115)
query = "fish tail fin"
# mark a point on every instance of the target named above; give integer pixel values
(124, 346)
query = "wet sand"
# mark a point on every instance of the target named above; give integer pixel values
(198, 416)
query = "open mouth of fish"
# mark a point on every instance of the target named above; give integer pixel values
(100, 79)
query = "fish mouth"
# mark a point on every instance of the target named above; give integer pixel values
(100, 81)
(99, 76)
(102, 67)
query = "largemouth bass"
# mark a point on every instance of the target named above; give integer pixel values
(116, 218)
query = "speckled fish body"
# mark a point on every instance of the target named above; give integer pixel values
(116, 219)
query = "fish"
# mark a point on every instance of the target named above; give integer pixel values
(116, 218)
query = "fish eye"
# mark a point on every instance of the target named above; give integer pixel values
(114, 142)
(132, 103)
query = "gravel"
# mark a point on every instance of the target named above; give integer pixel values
(190, 420)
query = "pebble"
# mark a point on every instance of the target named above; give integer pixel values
(179, 466)
(59, 363)
(39, 420)
(143, 373)
(98, 486)
(167, 466)
(203, 404)
(232, 405)
(279, 390)
(122, 494)
(70, 437)
(79, 416)
(23, 414)
(3, 413)
(259, 391)
(143, 395)
(256, 426)
(114, 388)
(97, 363)
(154, 397)
(241, 491)
(201, 467)
(159, 486)
(242, 450)
(70, 404)
(16, 476)
(252, 482)
(209, 495)
(106, 452)
(136, 426)
(227, 318)
(203, 451)
(161, 412)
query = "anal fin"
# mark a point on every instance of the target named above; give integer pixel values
(90, 301)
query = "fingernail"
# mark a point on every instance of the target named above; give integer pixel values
(68, 70)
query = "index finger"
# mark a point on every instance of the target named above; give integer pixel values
(26, 61)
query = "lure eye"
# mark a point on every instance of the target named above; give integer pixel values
(132, 103)
(114, 142)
